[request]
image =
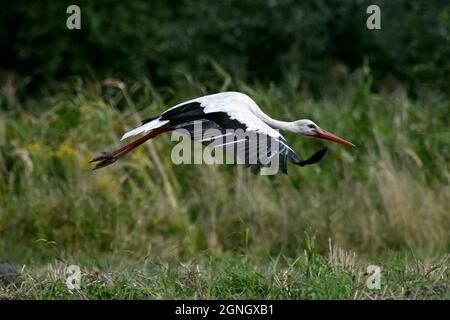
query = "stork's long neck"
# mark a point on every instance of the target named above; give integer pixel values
(276, 124)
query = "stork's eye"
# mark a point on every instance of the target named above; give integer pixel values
(312, 126)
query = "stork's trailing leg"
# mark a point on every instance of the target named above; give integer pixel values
(106, 158)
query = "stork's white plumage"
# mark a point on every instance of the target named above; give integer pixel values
(236, 105)
(227, 111)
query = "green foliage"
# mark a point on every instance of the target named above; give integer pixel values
(264, 40)
(389, 192)
(238, 277)
(145, 215)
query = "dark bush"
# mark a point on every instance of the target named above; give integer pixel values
(261, 40)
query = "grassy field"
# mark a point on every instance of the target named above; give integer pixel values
(145, 228)
(338, 275)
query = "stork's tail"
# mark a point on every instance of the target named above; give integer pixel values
(107, 158)
(147, 125)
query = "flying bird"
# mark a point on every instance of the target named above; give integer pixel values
(225, 113)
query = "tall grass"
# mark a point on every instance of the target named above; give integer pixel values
(391, 192)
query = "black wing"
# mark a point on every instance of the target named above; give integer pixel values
(217, 130)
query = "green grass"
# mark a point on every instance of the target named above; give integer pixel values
(339, 275)
(390, 194)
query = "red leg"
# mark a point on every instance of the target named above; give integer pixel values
(107, 158)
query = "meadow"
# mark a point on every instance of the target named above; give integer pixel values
(146, 228)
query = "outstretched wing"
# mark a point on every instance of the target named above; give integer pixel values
(235, 130)
(227, 121)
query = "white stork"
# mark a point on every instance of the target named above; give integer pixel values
(225, 111)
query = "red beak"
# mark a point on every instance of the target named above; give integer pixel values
(329, 136)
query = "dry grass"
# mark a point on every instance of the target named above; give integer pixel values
(392, 192)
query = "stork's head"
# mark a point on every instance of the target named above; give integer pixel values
(308, 128)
